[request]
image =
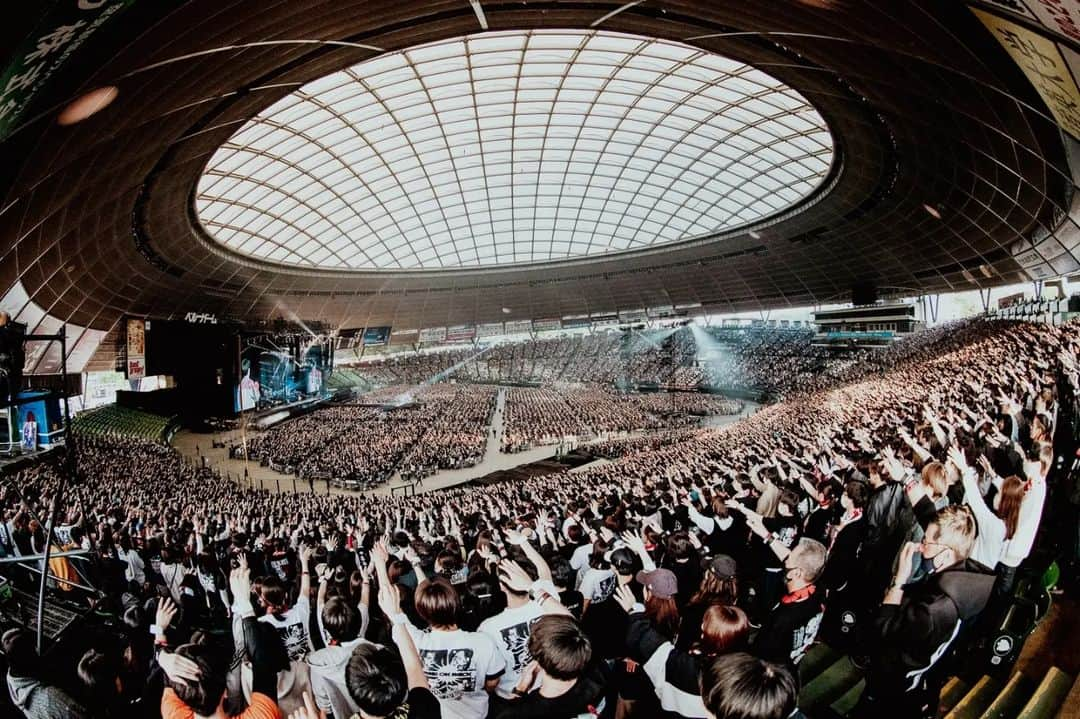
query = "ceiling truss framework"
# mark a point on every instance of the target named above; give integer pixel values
(166, 201)
(508, 148)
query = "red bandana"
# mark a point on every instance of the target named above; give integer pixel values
(798, 595)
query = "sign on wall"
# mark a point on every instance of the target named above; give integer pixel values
(375, 336)
(60, 31)
(432, 334)
(136, 348)
(1043, 63)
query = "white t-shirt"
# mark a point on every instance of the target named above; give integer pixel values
(293, 628)
(579, 560)
(457, 664)
(510, 630)
(597, 584)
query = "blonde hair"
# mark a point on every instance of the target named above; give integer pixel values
(956, 530)
(935, 478)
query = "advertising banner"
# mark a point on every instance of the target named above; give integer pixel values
(461, 333)
(100, 388)
(1010, 300)
(489, 329)
(62, 28)
(404, 336)
(518, 327)
(569, 323)
(136, 348)
(547, 324)
(1044, 65)
(375, 336)
(432, 334)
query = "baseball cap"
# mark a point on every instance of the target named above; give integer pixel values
(722, 566)
(661, 582)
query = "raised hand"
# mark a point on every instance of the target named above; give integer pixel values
(625, 598)
(514, 576)
(379, 553)
(956, 456)
(166, 610)
(389, 599)
(177, 668)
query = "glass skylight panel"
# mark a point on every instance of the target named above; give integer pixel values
(510, 147)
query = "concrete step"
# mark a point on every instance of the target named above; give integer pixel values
(951, 694)
(829, 685)
(1048, 696)
(1012, 698)
(1070, 708)
(817, 659)
(847, 702)
(976, 701)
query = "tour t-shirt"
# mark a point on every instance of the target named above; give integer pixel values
(510, 631)
(790, 628)
(293, 628)
(457, 664)
(786, 530)
(597, 584)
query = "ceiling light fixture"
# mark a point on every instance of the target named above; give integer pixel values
(88, 104)
(932, 211)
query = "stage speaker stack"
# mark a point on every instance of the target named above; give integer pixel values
(1074, 303)
(12, 357)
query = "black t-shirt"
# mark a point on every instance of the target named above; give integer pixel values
(420, 703)
(572, 600)
(817, 524)
(584, 697)
(605, 623)
(687, 577)
(786, 530)
(789, 629)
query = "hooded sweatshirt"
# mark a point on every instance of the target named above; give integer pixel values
(328, 685)
(41, 701)
(914, 635)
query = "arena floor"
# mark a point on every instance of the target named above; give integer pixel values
(198, 447)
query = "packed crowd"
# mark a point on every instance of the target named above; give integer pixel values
(575, 413)
(431, 427)
(771, 361)
(458, 438)
(885, 515)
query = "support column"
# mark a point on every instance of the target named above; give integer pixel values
(984, 298)
(935, 304)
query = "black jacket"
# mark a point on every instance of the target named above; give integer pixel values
(888, 518)
(673, 672)
(913, 636)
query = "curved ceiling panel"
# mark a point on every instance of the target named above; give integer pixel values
(924, 108)
(507, 148)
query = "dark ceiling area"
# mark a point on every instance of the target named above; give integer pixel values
(925, 109)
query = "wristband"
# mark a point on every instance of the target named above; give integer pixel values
(399, 618)
(155, 629)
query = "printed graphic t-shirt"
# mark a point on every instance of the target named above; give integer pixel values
(510, 631)
(293, 628)
(457, 664)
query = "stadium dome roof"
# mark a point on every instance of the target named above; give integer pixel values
(508, 148)
(912, 152)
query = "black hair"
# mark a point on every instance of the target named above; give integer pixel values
(375, 678)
